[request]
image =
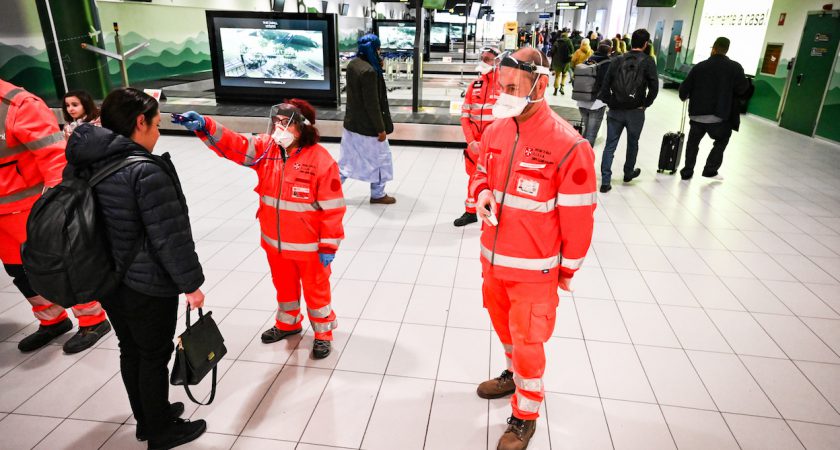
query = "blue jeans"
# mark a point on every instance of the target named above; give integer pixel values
(617, 121)
(591, 119)
(377, 190)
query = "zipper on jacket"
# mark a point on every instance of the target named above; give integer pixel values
(280, 194)
(504, 193)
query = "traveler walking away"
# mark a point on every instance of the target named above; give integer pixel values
(535, 184)
(78, 107)
(365, 153)
(589, 79)
(629, 87)
(561, 59)
(145, 215)
(713, 88)
(476, 116)
(300, 212)
(31, 160)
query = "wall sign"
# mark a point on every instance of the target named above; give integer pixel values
(740, 21)
(782, 18)
(822, 37)
(818, 51)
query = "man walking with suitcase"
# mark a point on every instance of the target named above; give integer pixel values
(629, 88)
(712, 88)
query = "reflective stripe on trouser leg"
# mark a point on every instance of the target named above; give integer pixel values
(315, 280)
(89, 314)
(509, 356)
(288, 315)
(46, 312)
(286, 279)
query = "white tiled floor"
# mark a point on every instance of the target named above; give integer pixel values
(707, 316)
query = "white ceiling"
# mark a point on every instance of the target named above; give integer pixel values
(523, 5)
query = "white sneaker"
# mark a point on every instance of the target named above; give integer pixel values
(717, 177)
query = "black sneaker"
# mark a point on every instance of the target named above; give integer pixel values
(685, 175)
(179, 433)
(635, 174)
(44, 335)
(605, 188)
(562, 92)
(321, 349)
(86, 337)
(175, 411)
(466, 219)
(275, 334)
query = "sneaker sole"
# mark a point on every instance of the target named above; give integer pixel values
(186, 439)
(99, 336)
(494, 396)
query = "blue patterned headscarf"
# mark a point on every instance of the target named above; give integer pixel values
(368, 45)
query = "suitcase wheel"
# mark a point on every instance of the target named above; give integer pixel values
(659, 171)
(673, 172)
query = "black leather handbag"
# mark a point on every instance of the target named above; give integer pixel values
(199, 350)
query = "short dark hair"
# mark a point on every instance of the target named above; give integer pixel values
(91, 111)
(121, 108)
(640, 38)
(309, 134)
(721, 45)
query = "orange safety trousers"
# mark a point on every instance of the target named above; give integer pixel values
(289, 275)
(12, 235)
(523, 316)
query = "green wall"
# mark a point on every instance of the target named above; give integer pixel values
(828, 126)
(23, 53)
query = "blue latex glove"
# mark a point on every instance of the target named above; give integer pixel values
(191, 120)
(326, 258)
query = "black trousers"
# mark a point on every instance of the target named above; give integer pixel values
(720, 132)
(145, 328)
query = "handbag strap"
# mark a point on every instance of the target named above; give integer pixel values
(183, 364)
(200, 315)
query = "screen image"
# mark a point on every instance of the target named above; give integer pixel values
(284, 54)
(439, 34)
(738, 21)
(350, 29)
(456, 32)
(397, 36)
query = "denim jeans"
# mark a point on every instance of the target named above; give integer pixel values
(591, 119)
(720, 133)
(617, 121)
(377, 190)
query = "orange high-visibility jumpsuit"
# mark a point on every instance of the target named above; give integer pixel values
(300, 213)
(476, 116)
(542, 175)
(31, 158)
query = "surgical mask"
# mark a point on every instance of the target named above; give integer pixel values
(512, 106)
(283, 137)
(483, 68)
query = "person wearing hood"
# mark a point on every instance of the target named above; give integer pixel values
(535, 188)
(561, 59)
(143, 207)
(582, 54)
(365, 153)
(476, 116)
(300, 212)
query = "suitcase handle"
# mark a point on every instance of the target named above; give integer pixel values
(682, 118)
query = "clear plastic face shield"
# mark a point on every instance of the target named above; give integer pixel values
(282, 116)
(488, 60)
(518, 82)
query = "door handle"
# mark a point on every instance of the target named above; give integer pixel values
(799, 79)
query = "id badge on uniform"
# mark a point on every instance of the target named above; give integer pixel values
(527, 186)
(300, 192)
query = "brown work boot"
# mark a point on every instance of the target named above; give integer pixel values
(518, 434)
(386, 200)
(498, 387)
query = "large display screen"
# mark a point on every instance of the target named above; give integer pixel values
(456, 32)
(741, 22)
(396, 35)
(439, 34)
(270, 56)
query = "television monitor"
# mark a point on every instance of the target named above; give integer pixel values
(267, 56)
(439, 34)
(456, 32)
(396, 34)
(350, 29)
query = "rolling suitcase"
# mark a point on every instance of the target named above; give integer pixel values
(671, 151)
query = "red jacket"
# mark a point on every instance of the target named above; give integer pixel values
(301, 202)
(543, 177)
(31, 148)
(477, 110)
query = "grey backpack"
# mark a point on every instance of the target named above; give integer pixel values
(585, 87)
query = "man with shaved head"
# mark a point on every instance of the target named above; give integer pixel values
(535, 190)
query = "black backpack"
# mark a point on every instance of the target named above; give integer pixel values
(628, 86)
(67, 256)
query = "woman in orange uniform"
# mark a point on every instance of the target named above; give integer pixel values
(300, 212)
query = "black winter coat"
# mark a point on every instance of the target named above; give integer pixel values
(367, 110)
(714, 87)
(141, 201)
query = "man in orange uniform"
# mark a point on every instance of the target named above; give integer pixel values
(476, 116)
(535, 185)
(300, 212)
(31, 160)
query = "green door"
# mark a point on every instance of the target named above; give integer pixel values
(811, 72)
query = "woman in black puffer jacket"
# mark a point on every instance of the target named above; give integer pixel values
(145, 215)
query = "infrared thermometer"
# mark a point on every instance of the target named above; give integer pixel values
(179, 118)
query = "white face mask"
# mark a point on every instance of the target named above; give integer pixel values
(483, 68)
(512, 106)
(283, 137)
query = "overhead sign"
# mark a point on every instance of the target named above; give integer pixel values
(547, 15)
(571, 5)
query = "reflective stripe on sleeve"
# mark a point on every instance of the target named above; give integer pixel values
(525, 204)
(288, 306)
(220, 130)
(520, 263)
(298, 247)
(528, 384)
(288, 319)
(480, 168)
(286, 205)
(250, 153)
(323, 327)
(45, 141)
(320, 313)
(331, 241)
(526, 404)
(331, 204)
(20, 195)
(572, 264)
(588, 199)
